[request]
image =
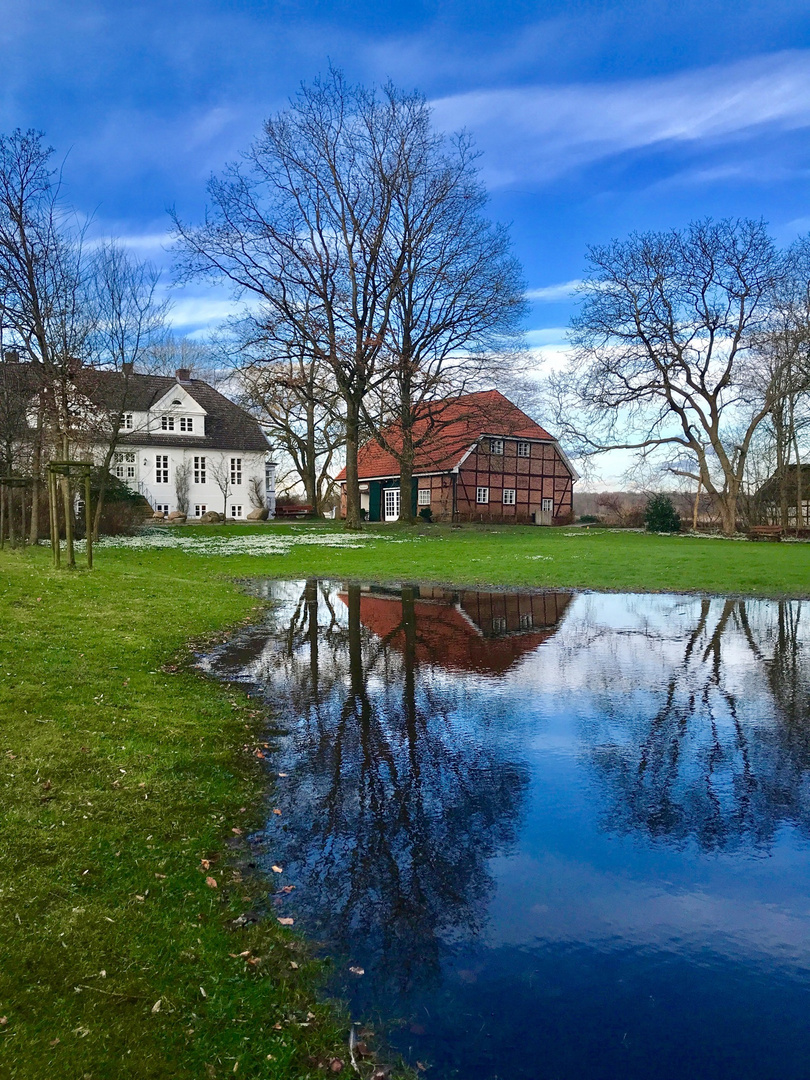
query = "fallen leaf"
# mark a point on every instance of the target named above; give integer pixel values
(277, 811)
(3, 1021)
(335, 1065)
(161, 876)
(276, 869)
(54, 1042)
(211, 882)
(286, 922)
(287, 888)
(203, 992)
(47, 785)
(205, 864)
(283, 774)
(293, 965)
(156, 1006)
(236, 832)
(357, 970)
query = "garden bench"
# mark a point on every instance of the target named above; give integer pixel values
(766, 532)
(293, 511)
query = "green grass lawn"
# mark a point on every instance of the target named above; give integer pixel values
(126, 781)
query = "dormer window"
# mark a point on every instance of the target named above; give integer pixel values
(186, 423)
(167, 423)
(127, 421)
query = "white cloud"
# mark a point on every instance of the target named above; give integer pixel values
(550, 294)
(542, 132)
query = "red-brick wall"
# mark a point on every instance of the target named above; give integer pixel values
(542, 475)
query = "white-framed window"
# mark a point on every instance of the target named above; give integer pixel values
(200, 509)
(423, 498)
(524, 449)
(547, 505)
(525, 622)
(496, 446)
(236, 470)
(508, 496)
(167, 423)
(127, 421)
(186, 423)
(199, 470)
(161, 508)
(499, 624)
(392, 504)
(161, 468)
(125, 465)
(482, 495)
(236, 511)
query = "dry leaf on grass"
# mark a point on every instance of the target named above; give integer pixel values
(286, 922)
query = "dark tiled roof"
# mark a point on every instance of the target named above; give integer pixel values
(457, 423)
(227, 426)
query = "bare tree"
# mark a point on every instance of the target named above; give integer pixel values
(455, 322)
(664, 351)
(128, 318)
(306, 223)
(295, 396)
(220, 469)
(182, 484)
(42, 287)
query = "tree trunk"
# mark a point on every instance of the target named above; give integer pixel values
(406, 513)
(310, 463)
(727, 504)
(352, 481)
(799, 495)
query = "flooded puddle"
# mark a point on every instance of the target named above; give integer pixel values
(563, 836)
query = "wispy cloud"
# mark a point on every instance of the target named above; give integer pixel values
(551, 294)
(542, 132)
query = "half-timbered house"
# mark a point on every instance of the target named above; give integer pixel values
(477, 458)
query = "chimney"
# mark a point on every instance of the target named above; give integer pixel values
(126, 368)
(183, 374)
(11, 356)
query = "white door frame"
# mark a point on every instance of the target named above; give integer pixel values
(391, 496)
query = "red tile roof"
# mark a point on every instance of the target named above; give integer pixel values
(447, 635)
(446, 435)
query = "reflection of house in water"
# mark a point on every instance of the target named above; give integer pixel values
(464, 630)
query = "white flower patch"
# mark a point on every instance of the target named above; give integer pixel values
(159, 539)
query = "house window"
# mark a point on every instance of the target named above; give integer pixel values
(167, 423)
(161, 508)
(199, 470)
(125, 465)
(186, 423)
(496, 446)
(482, 495)
(423, 498)
(128, 421)
(236, 511)
(499, 624)
(162, 469)
(200, 509)
(508, 496)
(236, 470)
(524, 449)
(547, 505)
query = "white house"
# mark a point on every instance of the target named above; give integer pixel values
(183, 444)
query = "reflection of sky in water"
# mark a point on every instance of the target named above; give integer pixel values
(564, 836)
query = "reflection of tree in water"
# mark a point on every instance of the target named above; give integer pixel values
(725, 757)
(398, 803)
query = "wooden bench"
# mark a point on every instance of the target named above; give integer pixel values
(766, 532)
(303, 510)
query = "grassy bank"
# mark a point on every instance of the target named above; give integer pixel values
(123, 787)
(126, 782)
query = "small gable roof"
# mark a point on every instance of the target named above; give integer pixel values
(447, 432)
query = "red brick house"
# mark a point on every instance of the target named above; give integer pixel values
(478, 458)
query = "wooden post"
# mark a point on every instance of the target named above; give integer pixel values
(88, 520)
(12, 532)
(68, 511)
(2, 517)
(54, 496)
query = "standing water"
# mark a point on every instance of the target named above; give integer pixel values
(562, 836)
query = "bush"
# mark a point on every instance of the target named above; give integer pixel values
(660, 515)
(426, 514)
(588, 519)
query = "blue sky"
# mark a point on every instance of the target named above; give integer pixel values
(594, 118)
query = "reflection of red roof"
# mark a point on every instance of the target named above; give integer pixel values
(447, 634)
(443, 437)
